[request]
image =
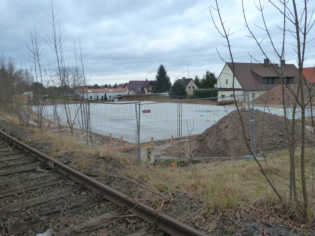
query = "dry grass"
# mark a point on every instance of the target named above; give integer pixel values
(9, 117)
(63, 143)
(223, 185)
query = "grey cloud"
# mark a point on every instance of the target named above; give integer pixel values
(125, 36)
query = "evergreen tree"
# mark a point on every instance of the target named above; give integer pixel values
(208, 81)
(178, 89)
(163, 83)
(197, 81)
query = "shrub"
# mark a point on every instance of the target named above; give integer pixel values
(201, 93)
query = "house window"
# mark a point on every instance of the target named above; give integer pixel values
(269, 80)
(226, 81)
(91, 97)
(289, 80)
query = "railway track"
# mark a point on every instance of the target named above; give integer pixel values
(39, 193)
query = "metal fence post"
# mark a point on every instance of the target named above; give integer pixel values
(251, 116)
(138, 118)
(179, 120)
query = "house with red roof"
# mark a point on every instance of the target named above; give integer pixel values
(309, 74)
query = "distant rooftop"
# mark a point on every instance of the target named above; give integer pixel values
(309, 74)
(247, 73)
(101, 90)
(185, 81)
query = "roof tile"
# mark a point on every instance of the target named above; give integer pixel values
(249, 74)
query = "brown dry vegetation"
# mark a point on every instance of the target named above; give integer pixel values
(218, 186)
(222, 185)
(62, 143)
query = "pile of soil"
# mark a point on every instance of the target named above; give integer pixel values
(274, 95)
(226, 136)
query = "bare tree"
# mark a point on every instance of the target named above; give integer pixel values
(84, 104)
(62, 71)
(35, 51)
(297, 24)
(13, 83)
(71, 78)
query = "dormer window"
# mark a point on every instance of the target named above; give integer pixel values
(269, 80)
(289, 80)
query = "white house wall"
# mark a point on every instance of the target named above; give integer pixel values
(190, 88)
(92, 95)
(112, 95)
(225, 80)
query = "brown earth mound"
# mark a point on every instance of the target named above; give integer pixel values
(274, 95)
(226, 137)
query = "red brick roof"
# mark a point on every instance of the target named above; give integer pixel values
(309, 74)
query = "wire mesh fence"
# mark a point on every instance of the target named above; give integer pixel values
(176, 132)
(172, 127)
(158, 120)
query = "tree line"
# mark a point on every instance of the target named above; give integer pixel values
(12, 82)
(162, 84)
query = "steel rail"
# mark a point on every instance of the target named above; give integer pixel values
(163, 221)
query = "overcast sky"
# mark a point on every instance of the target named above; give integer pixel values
(125, 40)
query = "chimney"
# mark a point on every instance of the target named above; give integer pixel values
(266, 61)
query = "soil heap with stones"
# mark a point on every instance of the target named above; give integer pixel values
(226, 137)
